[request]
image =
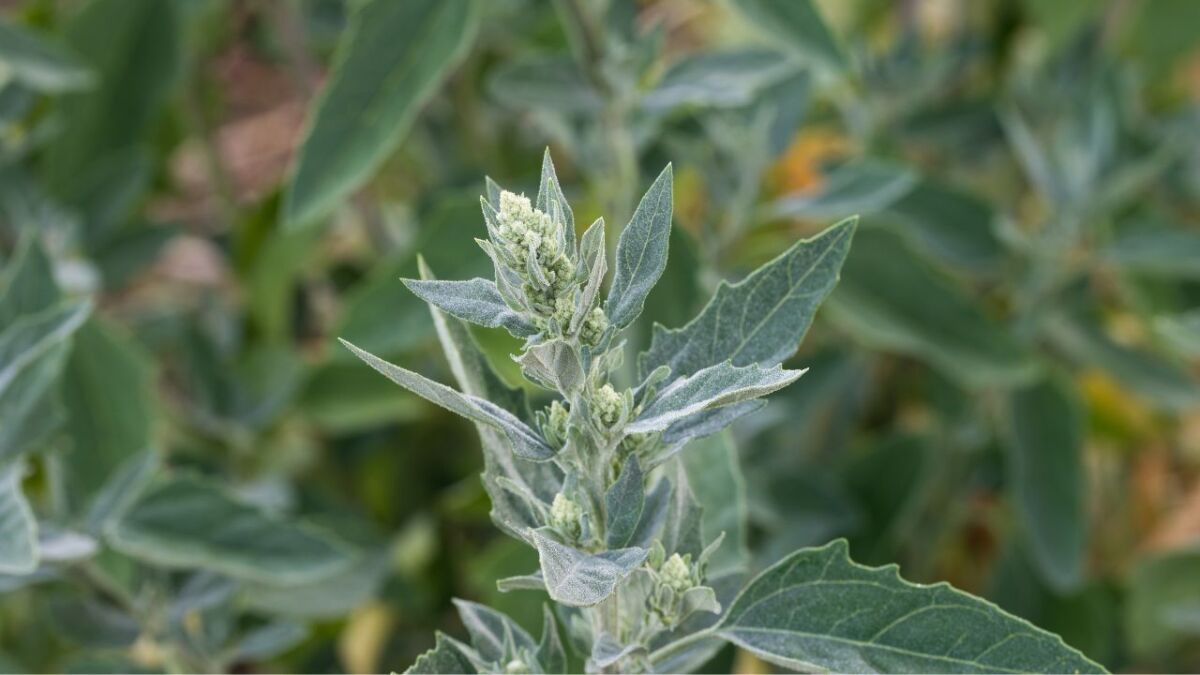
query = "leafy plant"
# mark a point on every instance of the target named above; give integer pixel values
(592, 481)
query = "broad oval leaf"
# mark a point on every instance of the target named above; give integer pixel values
(817, 610)
(389, 62)
(189, 522)
(493, 635)
(582, 579)
(714, 387)
(18, 528)
(641, 253)
(1045, 451)
(760, 319)
(623, 504)
(446, 658)
(475, 300)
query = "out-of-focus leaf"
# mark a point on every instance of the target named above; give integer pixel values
(389, 62)
(446, 658)
(39, 63)
(580, 579)
(949, 224)
(795, 25)
(551, 82)
(641, 254)
(327, 597)
(730, 79)
(269, 640)
(93, 623)
(32, 336)
(713, 387)
(1181, 332)
(104, 428)
(1159, 32)
(863, 187)
(341, 397)
(134, 48)
(716, 478)
(1046, 429)
(1161, 590)
(891, 301)
(120, 490)
(760, 319)
(27, 284)
(190, 523)
(492, 633)
(18, 527)
(862, 619)
(551, 654)
(1169, 253)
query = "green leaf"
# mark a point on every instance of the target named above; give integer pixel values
(795, 25)
(1163, 591)
(723, 79)
(552, 82)
(761, 319)
(1181, 332)
(623, 504)
(551, 653)
(493, 635)
(390, 61)
(715, 475)
(38, 63)
(446, 658)
(551, 200)
(475, 300)
(580, 579)
(1168, 253)
(890, 300)
(714, 387)
(526, 443)
(860, 619)
(18, 528)
(641, 253)
(134, 48)
(27, 284)
(863, 187)
(32, 336)
(105, 429)
(1045, 452)
(192, 523)
(950, 225)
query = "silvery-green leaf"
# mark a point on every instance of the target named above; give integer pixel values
(476, 377)
(554, 365)
(120, 490)
(30, 405)
(389, 62)
(1045, 451)
(654, 514)
(641, 253)
(700, 599)
(760, 319)
(190, 523)
(58, 546)
(606, 651)
(476, 300)
(1169, 253)
(623, 504)
(326, 598)
(27, 285)
(550, 200)
(795, 25)
(582, 579)
(446, 658)
(863, 187)
(18, 527)
(681, 532)
(715, 477)
(860, 619)
(39, 63)
(713, 387)
(493, 635)
(525, 441)
(722, 79)
(890, 299)
(1181, 332)
(594, 262)
(33, 335)
(269, 640)
(551, 654)
(950, 224)
(707, 422)
(521, 582)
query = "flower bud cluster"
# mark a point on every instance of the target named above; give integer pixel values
(673, 577)
(566, 517)
(553, 422)
(611, 409)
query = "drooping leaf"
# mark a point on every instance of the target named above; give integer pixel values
(795, 25)
(761, 319)
(623, 504)
(191, 523)
(1046, 430)
(890, 300)
(493, 635)
(713, 387)
(18, 527)
(446, 658)
(389, 62)
(641, 253)
(580, 579)
(860, 619)
(39, 63)
(525, 442)
(475, 300)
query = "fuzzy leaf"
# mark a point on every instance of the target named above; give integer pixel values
(189, 522)
(594, 261)
(623, 504)
(641, 253)
(551, 654)
(525, 441)
(581, 579)
(492, 633)
(553, 364)
(389, 62)
(476, 300)
(760, 319)
(716, 386)
(707, 422)
(18, 528)
(550, 200)
(446, 658)
(817, 610)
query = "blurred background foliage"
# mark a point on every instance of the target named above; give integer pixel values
(200, 195)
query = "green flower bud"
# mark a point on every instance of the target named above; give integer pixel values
(593, 327)
(515, 667)
(565, 516)
(554, 424)
(676, 574)
(608, 407)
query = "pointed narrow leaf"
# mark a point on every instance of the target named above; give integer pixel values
(492, 632)
(708, 422)
(760, 319)
(188, 522)
(594, 261)
(31, 336)
(475, 300)
(550, 200)
(716, 386)
(581, 579)
(623, 504)
(817, 610)
(446, 658)
(388, 64)
(525, 441)
(641, 253)
(18, 528)
(551, 654)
